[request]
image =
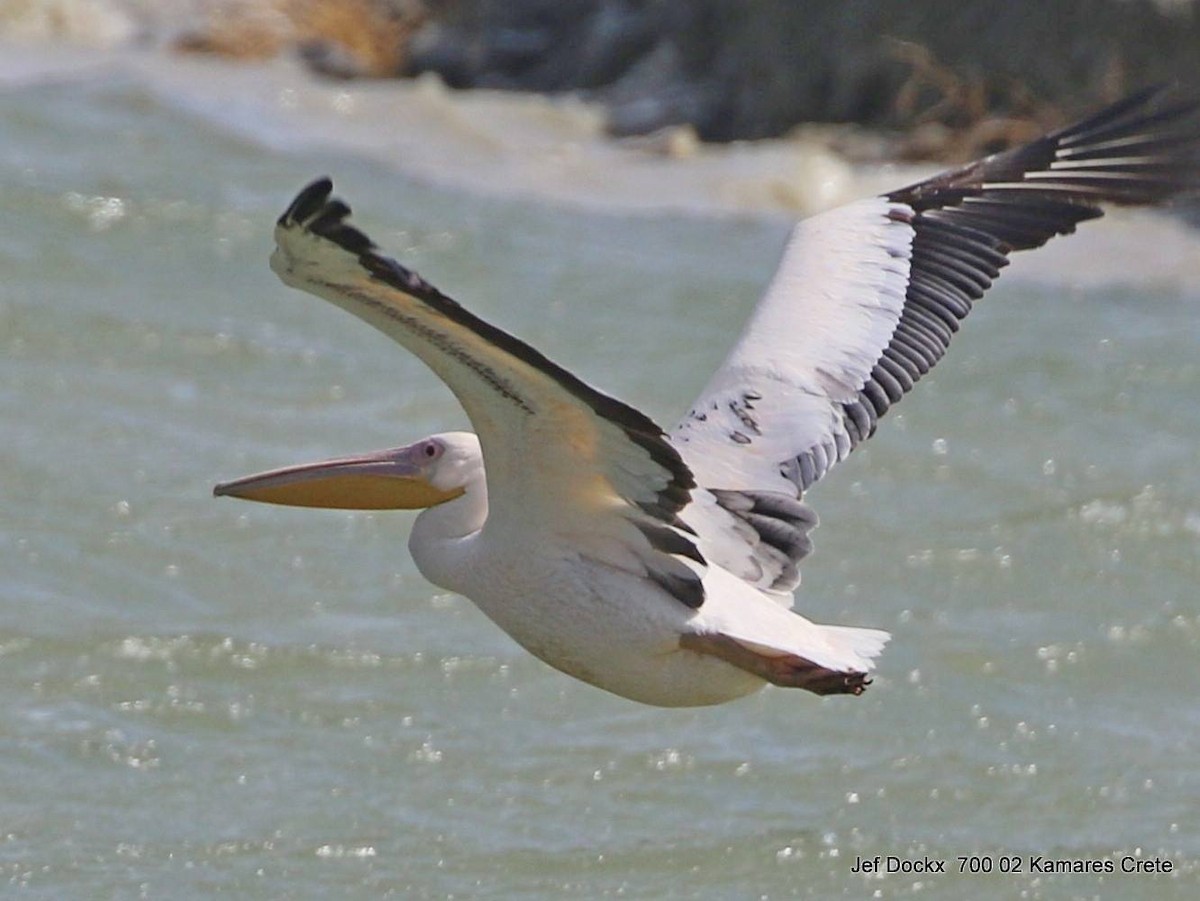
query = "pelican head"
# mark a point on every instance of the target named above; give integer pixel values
(425, 474)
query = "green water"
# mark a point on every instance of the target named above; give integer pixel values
(201, 697)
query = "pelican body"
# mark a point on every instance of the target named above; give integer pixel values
(662, 566)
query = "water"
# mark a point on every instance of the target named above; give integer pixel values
(201, 696)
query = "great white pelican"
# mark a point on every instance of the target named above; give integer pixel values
(661, 566)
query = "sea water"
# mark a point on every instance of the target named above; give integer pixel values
(202, 697)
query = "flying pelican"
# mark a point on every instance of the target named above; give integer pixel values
(661, 566)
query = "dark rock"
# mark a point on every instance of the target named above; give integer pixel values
(737, 69)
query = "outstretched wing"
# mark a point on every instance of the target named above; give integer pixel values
(868, 296)
(561, 457)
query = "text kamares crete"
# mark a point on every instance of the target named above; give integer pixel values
(1033, 863)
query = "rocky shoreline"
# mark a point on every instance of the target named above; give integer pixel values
(950, 81)
(958, 79)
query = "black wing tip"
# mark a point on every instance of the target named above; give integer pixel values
(1159, 125)
(1162, 103)
(310, 200)
(316, 210)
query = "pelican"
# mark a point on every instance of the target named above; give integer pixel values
(661, 566)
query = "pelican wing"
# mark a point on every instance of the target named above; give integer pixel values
(561, 457)
(868, 296)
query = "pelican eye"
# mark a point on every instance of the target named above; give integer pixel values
(431, 450)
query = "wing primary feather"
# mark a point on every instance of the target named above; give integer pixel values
(900, 372)
(308, 202)
(937, 328)
(908, 353)
(929, 344)
(669, 541)
(892, 389)
(862, 420)
(922, 296)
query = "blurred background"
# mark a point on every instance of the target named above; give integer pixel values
(202, 697)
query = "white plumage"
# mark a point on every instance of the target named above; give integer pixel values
(662, 567)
